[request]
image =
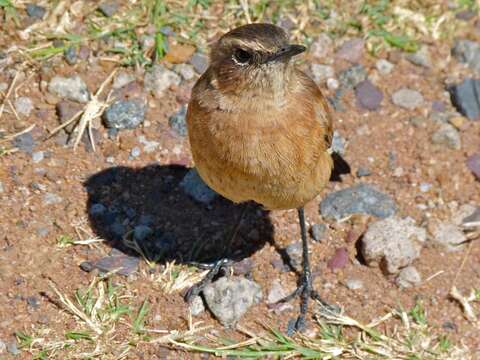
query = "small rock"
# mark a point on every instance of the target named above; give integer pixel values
(424, 187)
(23, 105)
(12, 348)
(322, 72)
(196, 306)
(368, 96)
(407, 98)
(351, 50)
(243, 267)
(339, 260)
(3, 347)
(179, 53)
(468, 52)
(72, 88)
(438, 106)
(408, 277)
(178, 122)
(448, 236)
(466, 98)
(421, 57)
(465, 15)
(108, 8)
(24, 142)
(148, 146)
(87, 266)
(121, 79)
(33, 302)
(158, 79)
(318, 232)
(473, 164)
(66, 110)
(70, 55)
(135, 152)
(457, 121)
(83, 52)
(322, 46)
(338, 143)
(36, 11)
(332, 84)
(229, 298)
(277, 292)
(51, 199)
(418, 121)
(352, 76)
(363, 171)
(354, 284)
(186, 71)
(3, 86)
(97, 210)
(384, 67)
(447, 136)
(124, 114)
(194, 186)
(37, 156)
(199, 62)
(358, 199)
(141, 232)
(392, 243)
(124, 264)
(294, 252)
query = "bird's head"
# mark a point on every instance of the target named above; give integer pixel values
(252, 56)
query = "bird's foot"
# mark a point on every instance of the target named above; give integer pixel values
(214, 269)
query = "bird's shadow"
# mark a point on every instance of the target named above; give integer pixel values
(146, 211)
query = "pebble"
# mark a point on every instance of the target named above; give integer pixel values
(358, 199)
(318, 232)
(339, 260)
(408, 277)
(322, 46)
(178, 122)
(71, 88)
(457, 121)
(407, 98)
(196, 306)
(108, 8)
(468, 52)
(66, 110)
(448, 236)
(135, 152)
(363, 172)
(51, 199)
(124, 114)
(421, 57)
(148, 146)
(466, 98)
(3, 347)
(97, 210)
(473, 164)
(424, 187)
(277, 292)
(141, 232)
(322, 72)
(3, 86)
(351, 50)
(179, 53)
(158, 79)
(418, 121)
(121, 79)
(36, 11)
(33, 302)
(229, 298)
(87, 266)
(186, 71)
(438, 106)
(199, 62)
(384, 67)
(24, 142)
(295, 252)
(124, 264)
(392, 243)
(193, 185)
(12, 348)
(23, 105)
(70, 55)
(447, 136)
(333, 84)
(38, 156)
(352, 76)
(338, 143)
(354, 284)
(369, 97)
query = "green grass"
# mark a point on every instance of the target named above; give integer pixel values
(10, 12)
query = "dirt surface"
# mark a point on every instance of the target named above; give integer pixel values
(32, 256)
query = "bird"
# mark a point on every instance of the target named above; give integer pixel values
(261, 130)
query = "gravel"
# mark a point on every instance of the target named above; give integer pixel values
(148, 146)
(135, 152)
(354, 284)
(124, 114)
(384, 67)
(229, 298)
(71, 88)
(199, 62)
(158, 79)
(318, 232)
(447, 136)
(339, 259)
(108, 8)
(193, 185)
(51, 199)
(12, 348)
(142, 232)
(121, 79)
(363, 172)
(473, 164)
(197, 306)
(351, 77)
(23, 106)
(36, 11)
(421, 57)
(38, 156)
(277, 292)
(369, 97)
(295, 252)
(338, 143)
(408, 277)
(24, 142)
(448, 236)
(358, 199)
(97, 210)
(70, 55)
(124, 264)
(392, 243)
(407, 98)
(468, 52)
(466, 98)
(178, 122)
(351, 50)
(186, 71)
(321, 47)
(322, 72)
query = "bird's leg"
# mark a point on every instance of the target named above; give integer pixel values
(217, 266)
(304, 289)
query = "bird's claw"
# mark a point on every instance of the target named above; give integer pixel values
(214, 268)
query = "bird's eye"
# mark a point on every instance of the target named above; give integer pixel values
(242, 57)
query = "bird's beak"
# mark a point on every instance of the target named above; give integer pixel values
(286, 52)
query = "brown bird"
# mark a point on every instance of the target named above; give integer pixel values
(260, 129)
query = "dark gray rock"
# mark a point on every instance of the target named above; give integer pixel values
(199, 62)
(352, 76)
(33, 302)
(193, 185)
(12, 348)
(363, 171)
(125, 264)
(70, 55)
(97, 210)
(87, 266)
(36, 11)
(468, 52)
(141, 232)
(108, 8)
(177, 121)
(294, 252)
(24, 142)
(318, 232)
(473, 164)
(124, 114)
(118, 230)
(358, 199)
(369, 97)
(466, 97)
(229, 298)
